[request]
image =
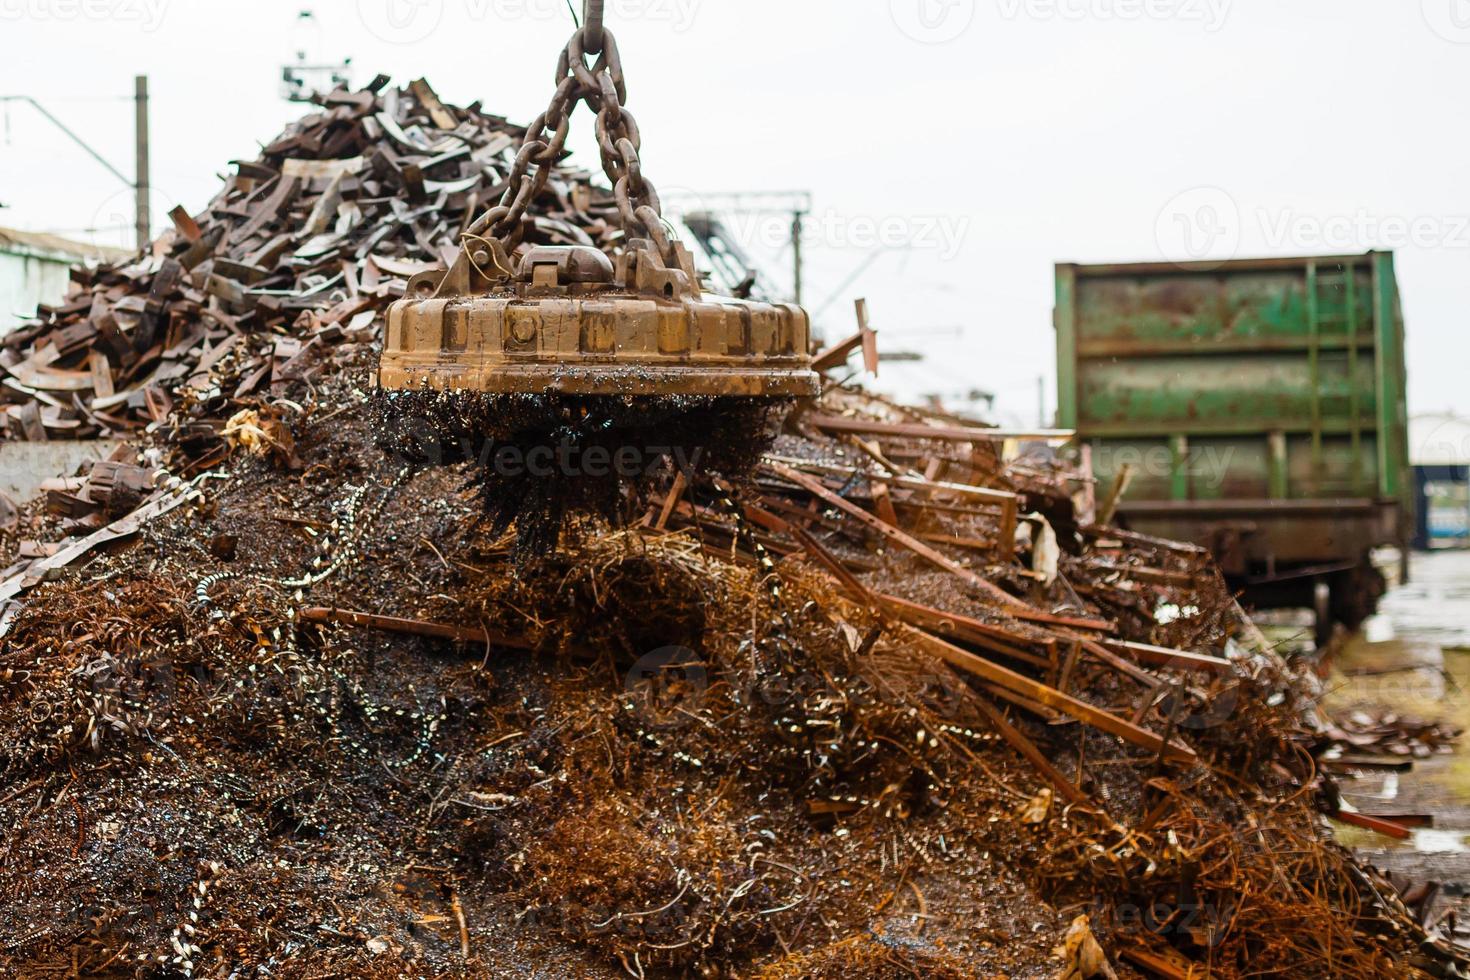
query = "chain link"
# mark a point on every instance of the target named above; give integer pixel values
(604, 90)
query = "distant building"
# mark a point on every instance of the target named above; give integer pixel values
(34, 268)
(1439, 448)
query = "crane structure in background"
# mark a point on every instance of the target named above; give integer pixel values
(301, 78)
(702, 214)
(710, 219)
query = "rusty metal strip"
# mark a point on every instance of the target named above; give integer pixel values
(414, 627)
(957, 627)
(160, 503)
(894, 534)
(1165, 657)
(1052, 698)
(672, 500)
(941, 433)
(1376, 824)
(1126, 667)
(1071, 622)
(1034, 755)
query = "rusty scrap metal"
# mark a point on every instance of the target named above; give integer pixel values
(292, 262)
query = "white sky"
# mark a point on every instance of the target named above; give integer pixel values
(994, 136)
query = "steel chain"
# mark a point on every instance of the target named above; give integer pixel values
(603, 88)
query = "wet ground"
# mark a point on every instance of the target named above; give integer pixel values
(1414, 657)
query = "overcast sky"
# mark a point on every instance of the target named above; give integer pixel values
(972, 143)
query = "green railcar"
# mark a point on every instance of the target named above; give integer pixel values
(1259, 409)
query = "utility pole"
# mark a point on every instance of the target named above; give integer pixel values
(1041, 401)
(796, 204)
(796, 219)
(140, 183)
(142, 186)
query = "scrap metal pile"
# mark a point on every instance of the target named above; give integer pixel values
(1387, 733)
(895, 706)
(297, 254)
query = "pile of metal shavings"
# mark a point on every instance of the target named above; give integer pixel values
(712, 747)
(540, 459)
(183, 747)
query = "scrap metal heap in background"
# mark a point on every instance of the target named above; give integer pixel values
(896, 705)
(298, 254)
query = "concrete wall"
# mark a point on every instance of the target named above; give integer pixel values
(26, 280)
(24, 466)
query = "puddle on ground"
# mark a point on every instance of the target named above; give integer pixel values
(1395, 661)
(1427, 841)
(1435, 605)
